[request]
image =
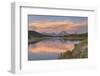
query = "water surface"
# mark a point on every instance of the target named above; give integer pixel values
(51, 48)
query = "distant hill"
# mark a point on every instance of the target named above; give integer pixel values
(35, 34)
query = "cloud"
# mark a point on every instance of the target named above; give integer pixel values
(57, 26)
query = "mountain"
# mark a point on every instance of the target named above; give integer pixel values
(63, 33)
(55, 34)
(36, 34)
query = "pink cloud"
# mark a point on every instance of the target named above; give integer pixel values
(56, 26)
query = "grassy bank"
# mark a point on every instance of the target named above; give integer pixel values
(80, 51)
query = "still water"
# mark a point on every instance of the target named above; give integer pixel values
(49, 49)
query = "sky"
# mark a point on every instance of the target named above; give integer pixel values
(57, 24)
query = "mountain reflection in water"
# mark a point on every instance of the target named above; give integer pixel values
(47, 49)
